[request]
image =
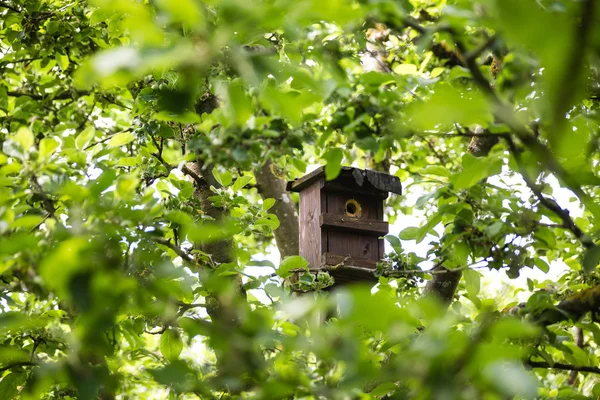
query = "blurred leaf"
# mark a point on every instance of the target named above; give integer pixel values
(10, 384)
(171, 344)
(84, 137)
(47, 147)
(472, 282)
(334, 163)
(121, 139)
(448, 106)
(591, 259)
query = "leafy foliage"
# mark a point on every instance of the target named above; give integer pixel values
(133, 215)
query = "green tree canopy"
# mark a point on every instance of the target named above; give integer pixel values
(145, 147)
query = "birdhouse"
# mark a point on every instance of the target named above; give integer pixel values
(342, 220)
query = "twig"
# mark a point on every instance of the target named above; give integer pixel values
(565, 367)
(579, 342)
(200, 182)
(183, 307)
(87, 116)
(10, 7)
(36, 96)
(17, 364)
(158, 332)
(180, 252)
(47, 203)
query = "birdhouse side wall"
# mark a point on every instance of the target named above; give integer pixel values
(311, 206)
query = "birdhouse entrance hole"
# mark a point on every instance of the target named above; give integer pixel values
(353, 209)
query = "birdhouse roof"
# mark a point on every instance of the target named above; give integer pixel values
(362, 177)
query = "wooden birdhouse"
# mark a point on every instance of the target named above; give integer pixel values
(342, 222)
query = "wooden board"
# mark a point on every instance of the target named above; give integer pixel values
(336, 204)
(349, 224)
(353, 244)
(310, 227)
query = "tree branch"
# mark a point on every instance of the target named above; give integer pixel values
(17, 364)
(565, 367)
(550, 204)
(180, 252)
(200, 182)
(36, 96)
(4, 4)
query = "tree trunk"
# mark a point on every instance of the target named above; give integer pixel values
(271, 186)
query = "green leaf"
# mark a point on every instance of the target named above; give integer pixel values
(241, 182)
(409, 233)
(591, 259)
(542, 265)
(268, 204)
(334, 163)
(494, 228)
(25, 138)
(171, 344)
(127, 186)
(448, 106)
(271, 221)
(27, 222)
(238, 102)
(383, 389)
(9, 385)
(47, 147)
(510, 378)
(406, 69)
(224, 177)
(185, 11)
(475, 169)
(291, 263)
(472, 282)
(84, 137)
(435, 170)
(121, 139)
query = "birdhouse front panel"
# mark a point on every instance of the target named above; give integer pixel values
(341, 221)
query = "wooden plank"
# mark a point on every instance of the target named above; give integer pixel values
(331, 259)
(310, 227)
(353, 244)
(336, 204)
(362, 225)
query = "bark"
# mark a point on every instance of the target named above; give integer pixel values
(573, 307)
(443, 286)
(271, 186)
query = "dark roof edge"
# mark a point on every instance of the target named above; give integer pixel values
(379, 180)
